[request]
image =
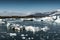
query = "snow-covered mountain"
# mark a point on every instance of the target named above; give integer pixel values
(57, 13)
(51, 13)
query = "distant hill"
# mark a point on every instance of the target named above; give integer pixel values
(44, 14)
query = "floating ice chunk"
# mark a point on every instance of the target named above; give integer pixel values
(54, 17)
(37, 29)
(32, 38)
(26, 35)
(58, 20)
(56, 34)
(1, 21)
(47, 19)
(13, 34)
(23, 37)
(2, 36)
(17, 24)
(47, 37)
(45, 28)
(29, 38)
(8, 24)
(17, 28)
(31, 28)
(37, 19)
(22, 19)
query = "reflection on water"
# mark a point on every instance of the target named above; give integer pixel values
(52, 34)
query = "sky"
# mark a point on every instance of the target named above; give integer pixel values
(26, 7)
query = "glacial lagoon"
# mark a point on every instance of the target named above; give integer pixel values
(33, 30)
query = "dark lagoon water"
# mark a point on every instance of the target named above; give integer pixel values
(52, 34)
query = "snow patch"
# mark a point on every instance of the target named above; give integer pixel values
(58, 9)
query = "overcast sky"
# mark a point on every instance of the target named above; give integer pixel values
(25, 7)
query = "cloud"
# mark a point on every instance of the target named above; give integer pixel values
(13, 13)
